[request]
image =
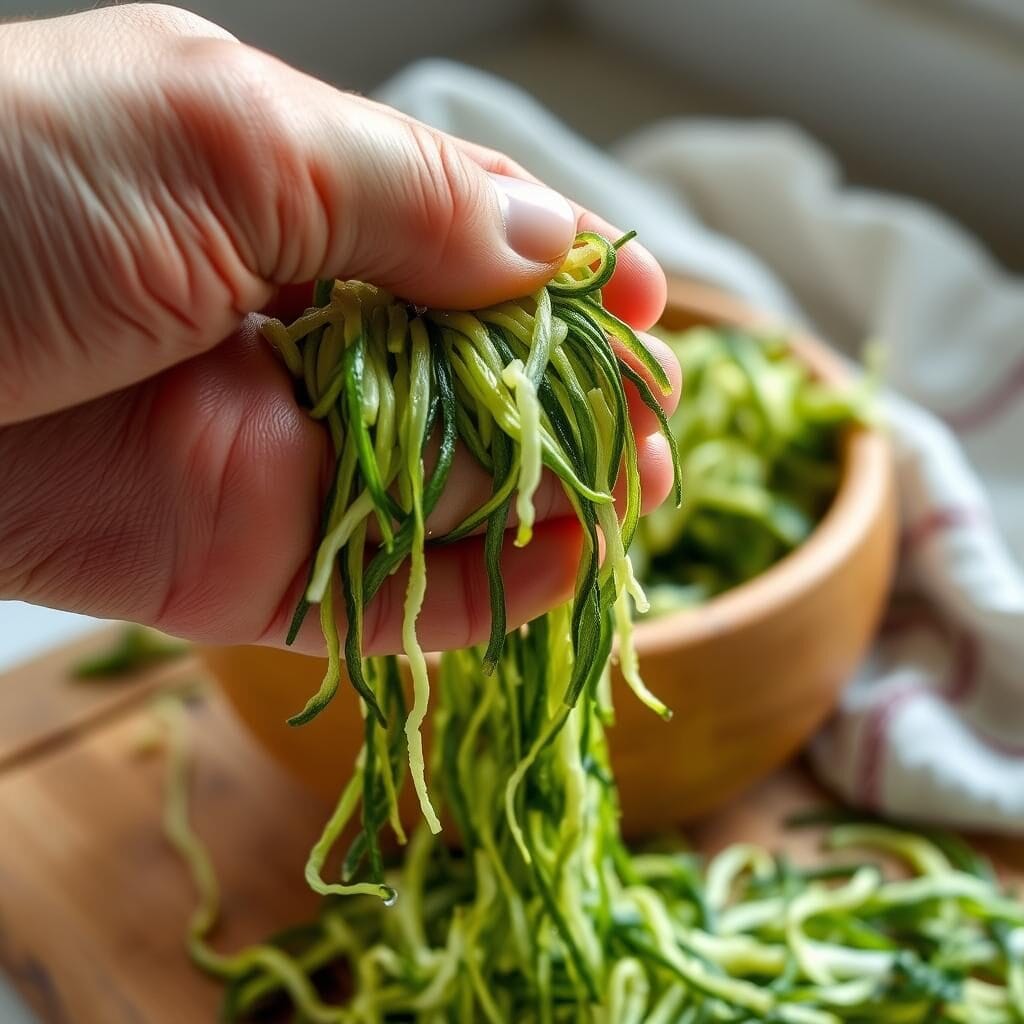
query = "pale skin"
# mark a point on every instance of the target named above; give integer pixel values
(160, 180)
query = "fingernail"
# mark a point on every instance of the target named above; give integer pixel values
(539, 223)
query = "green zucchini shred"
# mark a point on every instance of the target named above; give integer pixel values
(543, 916)
(759, 443)
(135, 648)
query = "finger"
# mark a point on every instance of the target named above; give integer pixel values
(655, 456)
(456, 608)
(636, 292)
(643, 419)
(372, 196)
(186, 503)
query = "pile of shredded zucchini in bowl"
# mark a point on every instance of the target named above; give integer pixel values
(760, 444)
(543, 915)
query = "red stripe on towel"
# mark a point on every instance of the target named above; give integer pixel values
(960, 684)
(940, 520)
(983, 410)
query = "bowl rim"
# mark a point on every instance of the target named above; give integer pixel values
(865, 488)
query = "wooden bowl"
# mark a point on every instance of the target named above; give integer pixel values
(750, 675)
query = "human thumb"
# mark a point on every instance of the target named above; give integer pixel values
(392, 201)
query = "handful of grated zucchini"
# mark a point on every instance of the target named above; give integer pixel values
(544, 916)
(759, 440)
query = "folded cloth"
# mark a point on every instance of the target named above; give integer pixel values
(932, 727)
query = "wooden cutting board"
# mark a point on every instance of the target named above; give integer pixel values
(93, 903)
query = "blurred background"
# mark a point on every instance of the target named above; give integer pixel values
(924, 97)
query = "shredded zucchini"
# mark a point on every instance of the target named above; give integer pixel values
(759, 439)
(583, 930)
(135, 648)
(543, 916)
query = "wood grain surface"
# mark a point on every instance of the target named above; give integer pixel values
(42, 706)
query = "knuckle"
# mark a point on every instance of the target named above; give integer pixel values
(231, 77)
(172, 21)
(441, 190)
(243, 145)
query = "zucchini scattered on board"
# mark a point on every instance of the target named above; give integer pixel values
(135, 648)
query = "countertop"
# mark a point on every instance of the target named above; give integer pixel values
(26, 630)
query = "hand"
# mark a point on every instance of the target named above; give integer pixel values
(158, 181)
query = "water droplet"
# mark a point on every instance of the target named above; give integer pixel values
(388, 895)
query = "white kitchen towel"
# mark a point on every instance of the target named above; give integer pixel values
(933, 726)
